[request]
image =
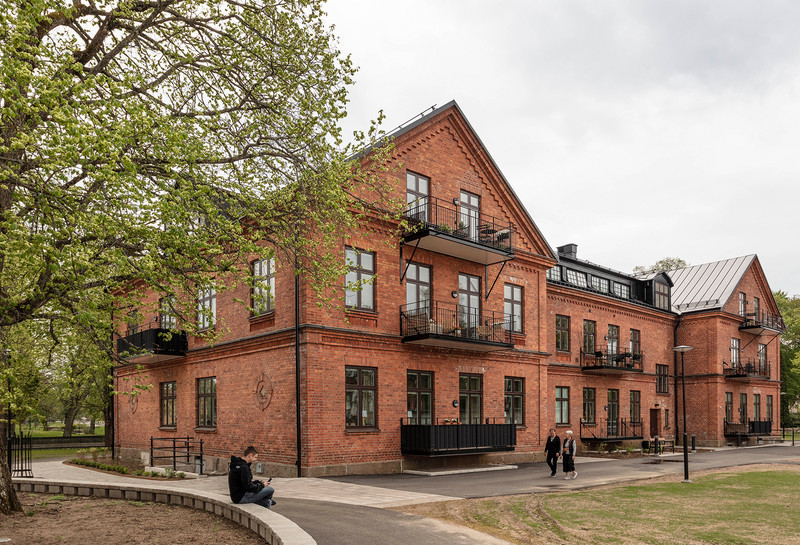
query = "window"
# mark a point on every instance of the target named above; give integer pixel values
(166, 313)
(756, 309)
(206, 308)
(666, 419)
(419, 397)
(512, 307)
(554, 273)
(735, 352)
(469, 300)
(562, 404)
(662, 379)
(728, 406)
(636, 406)
(360, 398)
(577, 278)
(757, 407)
(622, 290)
(588, 336)
(470, 398)
(613, 340)
(589, 405)
(600, 284)
(417, 191)
(207, 402)
(742, 304)
(418, 289)
(662, 296)
(769, 409)
(515, 400)
(359, 289)
(168, 397)
(470, 214)
(762, 359)
(613, 412)
(262, 294)
(562, 333)
(636, 342)
(743, 408)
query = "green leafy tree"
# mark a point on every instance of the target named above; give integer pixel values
(666, 264)
(166, 142)
(790, 351)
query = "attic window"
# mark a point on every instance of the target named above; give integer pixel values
(554, 273)
(622, 290)
(661, 296)
(577, 278)
(600, 284)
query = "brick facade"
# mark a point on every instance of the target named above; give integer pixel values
(254, 359)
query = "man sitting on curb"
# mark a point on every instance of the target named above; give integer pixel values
(243, 488)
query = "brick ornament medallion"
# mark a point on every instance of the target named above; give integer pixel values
(133, 401)
(264, 390)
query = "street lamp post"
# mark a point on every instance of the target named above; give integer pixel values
(683, 349)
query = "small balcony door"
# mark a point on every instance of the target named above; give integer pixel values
(469, 301)
(418, 289)
(613, 413)
(470, 214)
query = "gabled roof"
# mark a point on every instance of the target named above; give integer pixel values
(434, 111)
(707, 286)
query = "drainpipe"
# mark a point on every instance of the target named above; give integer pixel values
(675, 375)
(297, 363)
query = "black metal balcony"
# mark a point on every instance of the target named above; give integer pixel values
(611, 430)
(753, 369)
(153, 344)
(444, 439)
(444, 228)
(604, 362)
(751, 427)
(759, 323)
(449, 325)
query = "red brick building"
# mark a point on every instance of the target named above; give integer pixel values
(472, 338)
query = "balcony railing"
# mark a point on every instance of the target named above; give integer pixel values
(444, 439)
(751, 427)
(451, 325)
(446, 228)
(153, 344)
(608, 429)
(751, 369)
(602, 360)
(759, 322)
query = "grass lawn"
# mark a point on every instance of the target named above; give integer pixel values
(748, 505)
(99, 430)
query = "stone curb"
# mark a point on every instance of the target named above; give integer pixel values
(272, 527)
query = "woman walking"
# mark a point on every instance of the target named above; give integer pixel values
(568, 455)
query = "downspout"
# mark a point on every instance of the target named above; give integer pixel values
(297, 363)
(675, 375)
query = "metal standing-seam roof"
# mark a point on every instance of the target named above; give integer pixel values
(707, 286)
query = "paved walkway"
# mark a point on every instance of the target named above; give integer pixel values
(353, 510)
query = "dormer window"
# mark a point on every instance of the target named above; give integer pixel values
(661, 296)
(622, 290)
(577, 278)
(600, 284)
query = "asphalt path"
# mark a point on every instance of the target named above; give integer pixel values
(332, 523)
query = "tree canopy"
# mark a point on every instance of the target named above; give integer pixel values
(666, 264)
(165, 142)
(790, 349)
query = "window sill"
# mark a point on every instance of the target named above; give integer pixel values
(266, 317)
(206, 430)
(362, 311)
(361, 431)
(168, 428)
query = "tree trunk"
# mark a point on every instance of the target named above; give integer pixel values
(91, 426)
(69, 420)
(9, 502)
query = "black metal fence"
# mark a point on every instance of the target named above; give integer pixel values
(20, 459)
(454, 320)
(467, 224)
(436, 439)
(611, 429)
(753, 368)
(76, 441)
(176, 451)
(622, 360)
(751, 427)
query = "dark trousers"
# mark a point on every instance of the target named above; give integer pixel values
(569, 463)
(552, 461)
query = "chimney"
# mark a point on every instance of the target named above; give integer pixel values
(568, 250)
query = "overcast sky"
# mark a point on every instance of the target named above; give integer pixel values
(636, 130)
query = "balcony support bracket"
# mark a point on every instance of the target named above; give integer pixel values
(410, 259)
(486, 272)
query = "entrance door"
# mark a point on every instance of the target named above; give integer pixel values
(613, 413)
(655, 422)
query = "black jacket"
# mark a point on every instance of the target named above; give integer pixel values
(553, 446)
(240, 479)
